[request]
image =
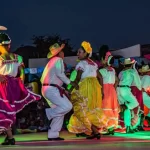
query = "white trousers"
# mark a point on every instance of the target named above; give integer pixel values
(126, 97)
(59, 107)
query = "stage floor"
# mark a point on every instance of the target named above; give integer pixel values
(120, 141)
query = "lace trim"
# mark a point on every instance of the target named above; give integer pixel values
(30, 92)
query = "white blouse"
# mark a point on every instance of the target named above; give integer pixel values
(10, 67)
(88, 69)
(108, 75)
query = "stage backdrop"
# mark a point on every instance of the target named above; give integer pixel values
(133, 51)
(41, 62)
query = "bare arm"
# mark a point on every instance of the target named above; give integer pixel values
(21, 73)
(116, 82)
(100, 80)
(78, 78)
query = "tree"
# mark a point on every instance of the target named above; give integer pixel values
(42, 43)
(27, 52)
(41, 48)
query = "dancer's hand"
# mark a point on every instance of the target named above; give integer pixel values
(67, 92)
(3, 79)
(123, 107)
(75, 85)
(102, 92)
(102, 95)
(143, 90)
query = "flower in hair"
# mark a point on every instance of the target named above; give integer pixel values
(87, 46)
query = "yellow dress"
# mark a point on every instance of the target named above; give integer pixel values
(87, 103)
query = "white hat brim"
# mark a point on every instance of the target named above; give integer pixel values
(132, 62)
(141, 70)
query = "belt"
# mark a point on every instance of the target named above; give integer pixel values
(124, 86)
(61, 90)
(45, 84)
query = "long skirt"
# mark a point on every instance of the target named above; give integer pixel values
(87, 107)
(110, 104)
(14, 96)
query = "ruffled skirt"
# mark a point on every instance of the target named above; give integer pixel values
(110, 104)
(87, 107)
(14, 96)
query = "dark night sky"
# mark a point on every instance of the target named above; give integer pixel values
(118, 23)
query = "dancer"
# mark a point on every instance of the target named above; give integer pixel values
(13, 94)
(110, 103)
(126, 99)
(145, 70)
(102, 54)
(88, 116)
(138, 94)
(52, 80)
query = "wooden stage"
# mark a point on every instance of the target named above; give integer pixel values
(119, 141)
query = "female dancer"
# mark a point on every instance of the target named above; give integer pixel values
(13, 94)
(87, 101)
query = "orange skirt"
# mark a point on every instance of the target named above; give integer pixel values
(110, 105)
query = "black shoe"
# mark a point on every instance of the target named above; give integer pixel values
(129, 130)
(6, 138)
(110, 132)
(98, 136)
(9, 141)
(81, 135)
(140, 128)
(56, 139)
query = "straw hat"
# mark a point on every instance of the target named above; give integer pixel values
(144, 68)
(3, 28)
(128, 61)
(55, 49)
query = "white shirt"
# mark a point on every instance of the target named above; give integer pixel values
(54, 72)
(88, 70)
(10, 67)
(129, 77)
(108, 76)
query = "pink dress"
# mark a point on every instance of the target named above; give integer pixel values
(14, 96)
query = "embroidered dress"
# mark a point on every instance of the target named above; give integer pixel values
(87, 101)
(13, 94)
(110, 103)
